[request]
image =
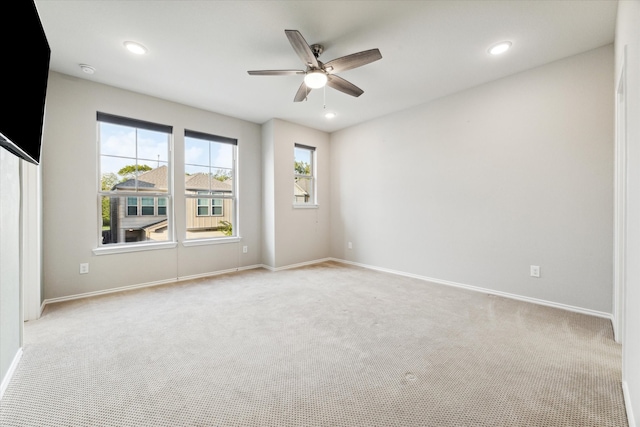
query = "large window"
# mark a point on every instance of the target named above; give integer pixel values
(210, 186)
(135, 176)
(304, 182)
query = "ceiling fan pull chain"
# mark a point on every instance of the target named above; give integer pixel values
(324, 97)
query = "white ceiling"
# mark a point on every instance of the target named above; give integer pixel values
(200, 51)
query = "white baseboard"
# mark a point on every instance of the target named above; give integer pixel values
(144, 285)
(318, 261)
(217, 273)
(10, 372)
(483, 290)
(301, 264)
(627, 404)
(170, 281)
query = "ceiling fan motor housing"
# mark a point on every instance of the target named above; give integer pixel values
(317, 49)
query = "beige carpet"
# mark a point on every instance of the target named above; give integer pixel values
(324, 345)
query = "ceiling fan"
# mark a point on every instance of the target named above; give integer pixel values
(317, 74)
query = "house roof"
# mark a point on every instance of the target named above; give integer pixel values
(153, 179)
(157, 179)
(201, 181)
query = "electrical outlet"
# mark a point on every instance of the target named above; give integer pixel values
(535, 271)
(84, 268)
(350, 245)
(245, 249)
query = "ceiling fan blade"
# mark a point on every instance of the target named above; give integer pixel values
(302, 93)
(302, 48)
(275, 72)
(342, 85)
(352, 61)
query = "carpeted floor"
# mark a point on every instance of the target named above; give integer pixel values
(323, 345)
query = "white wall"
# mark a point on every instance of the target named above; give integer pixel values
(31, 240)
(294, 236)
(476, 187)
(268, 196)
(10, 302)
(628, 39)
(70, 208)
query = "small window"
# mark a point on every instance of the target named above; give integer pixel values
(304, 175)
(132, 206)
(162, 206)
(203, 205)
(148, 206)
(217, 207)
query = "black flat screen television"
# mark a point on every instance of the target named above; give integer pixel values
(24, 72)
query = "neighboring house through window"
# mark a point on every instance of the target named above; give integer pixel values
(210, 186)
(134, 177)
(304, 181)
(217, 206)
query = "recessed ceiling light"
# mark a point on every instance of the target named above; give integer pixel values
(330, 115)
(500, 48)
(136, 48)
(87, 68)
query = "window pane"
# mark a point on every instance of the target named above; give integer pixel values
(303, 190)
(117, 140)
(302, 161)
(204, 227)
(121, 171)
(221, 156)
(109, 221)
(154, 178)
(197, 179)
(152, 146)
(196, 152)
(117, 228)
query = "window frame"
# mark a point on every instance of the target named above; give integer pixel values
(313, 199)
(211, 195)
(125, 195)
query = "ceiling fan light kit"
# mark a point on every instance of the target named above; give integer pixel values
(315, 79)
(318, 74)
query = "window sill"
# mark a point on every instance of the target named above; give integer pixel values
(214, 241)
(120, 249)
(309, 206)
